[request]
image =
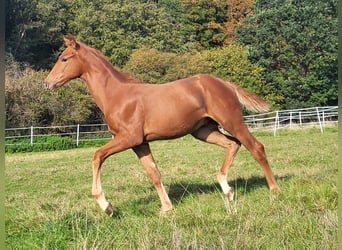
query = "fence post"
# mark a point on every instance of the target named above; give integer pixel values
(276, 124)
(78, 135)
(31, 136)
(319, 120)
(300, 119)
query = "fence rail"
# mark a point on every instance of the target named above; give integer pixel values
(317, 116)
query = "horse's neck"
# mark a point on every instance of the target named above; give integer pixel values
(101, 81)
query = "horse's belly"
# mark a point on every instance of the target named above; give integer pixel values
(172, 128)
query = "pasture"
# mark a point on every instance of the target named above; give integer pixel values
(49, 204)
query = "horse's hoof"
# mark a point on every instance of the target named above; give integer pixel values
(230, 195)
(167, 210)
(275, 190)
(109, 210)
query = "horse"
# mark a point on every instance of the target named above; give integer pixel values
(137, 113)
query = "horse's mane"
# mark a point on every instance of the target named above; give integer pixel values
(125, 77)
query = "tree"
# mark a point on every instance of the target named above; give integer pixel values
(27, 103)
(153, 66)
(229, 63)
(207, 20)
(296, 43)
(237, 11)
(117, 28)
(33, 30)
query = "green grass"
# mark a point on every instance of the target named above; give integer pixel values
(49, 203)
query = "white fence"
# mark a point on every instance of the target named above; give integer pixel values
(317, 116)
(80, 133)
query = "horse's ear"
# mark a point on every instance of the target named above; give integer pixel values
(70, 41)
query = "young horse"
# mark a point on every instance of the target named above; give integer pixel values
(139, 113)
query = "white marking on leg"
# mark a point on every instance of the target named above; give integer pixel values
(166, 203)
(103, 204)
(225, 187)
(227, 190)
(101, 200)
(229, 197)
(222, 179)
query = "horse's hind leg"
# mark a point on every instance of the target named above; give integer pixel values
(144, 154)
(258, 152)
(211, 135)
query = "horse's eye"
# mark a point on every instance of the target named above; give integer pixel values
(64, 59)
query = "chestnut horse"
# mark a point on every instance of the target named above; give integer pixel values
(139, 113)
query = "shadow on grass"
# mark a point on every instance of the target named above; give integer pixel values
(179, 190)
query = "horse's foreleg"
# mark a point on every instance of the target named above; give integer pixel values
(144, 154)
(97, 190)
(112, 147)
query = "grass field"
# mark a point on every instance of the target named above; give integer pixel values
(49, 204)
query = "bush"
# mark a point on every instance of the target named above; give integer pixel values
(153, 66)
(44, 143)
(229, 63)
(28, 102)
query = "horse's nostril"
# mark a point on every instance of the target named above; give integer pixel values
(47, 86)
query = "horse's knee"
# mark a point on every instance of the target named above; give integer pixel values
(259, 147)
(233, 147)
(259, 151)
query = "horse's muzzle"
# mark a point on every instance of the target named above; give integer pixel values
(50, 86)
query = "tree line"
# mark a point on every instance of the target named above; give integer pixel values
(285, 51)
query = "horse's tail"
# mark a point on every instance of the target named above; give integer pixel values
(249, 100)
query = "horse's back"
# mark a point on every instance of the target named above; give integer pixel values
(180, 107)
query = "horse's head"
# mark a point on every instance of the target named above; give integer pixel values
(67, 67)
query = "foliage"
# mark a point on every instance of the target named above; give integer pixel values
(28, 103)
(49, 143)
(116, 28)
(46, 143)
(33, 30)
(296, 43)
(65, 216)
(237, 11)
(229, 63)
(207, 19)
(291, 58)
(155, 66)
